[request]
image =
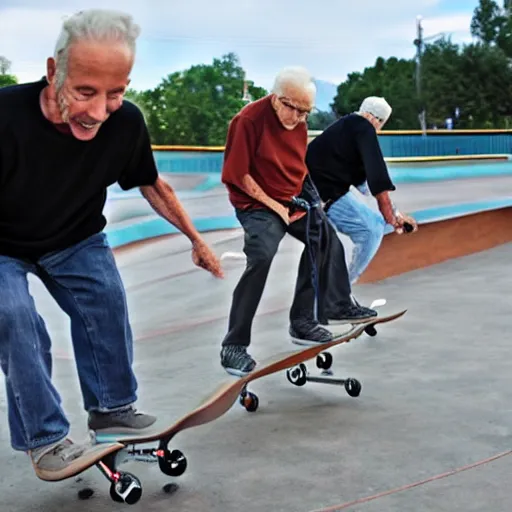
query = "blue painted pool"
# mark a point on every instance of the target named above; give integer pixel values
(209, 165)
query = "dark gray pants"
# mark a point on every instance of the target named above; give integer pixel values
(264, 231)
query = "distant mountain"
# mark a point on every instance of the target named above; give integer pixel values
(325, 93)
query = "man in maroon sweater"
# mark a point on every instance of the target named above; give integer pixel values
(264, 171)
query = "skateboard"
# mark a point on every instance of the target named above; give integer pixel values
(127, 488)
(299, 375)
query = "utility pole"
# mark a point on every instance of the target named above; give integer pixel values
(246, 97)
(418, 42)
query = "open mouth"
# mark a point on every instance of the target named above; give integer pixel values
(87, 126)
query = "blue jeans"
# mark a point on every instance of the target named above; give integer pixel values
(86, 284)
(364, 226)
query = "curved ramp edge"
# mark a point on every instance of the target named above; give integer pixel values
(440, 240)
(422, 174)
(155, 227)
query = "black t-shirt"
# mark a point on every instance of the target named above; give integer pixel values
(347, 153)
(53, 187)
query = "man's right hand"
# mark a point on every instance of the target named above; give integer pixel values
(255, 191)
(282, 211)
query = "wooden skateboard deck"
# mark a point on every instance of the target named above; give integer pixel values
(126, 487)
(221, 400)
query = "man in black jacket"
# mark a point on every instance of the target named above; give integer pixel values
(348, 154)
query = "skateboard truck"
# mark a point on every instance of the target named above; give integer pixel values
(299, 375)
(126, 487)
(171, 463)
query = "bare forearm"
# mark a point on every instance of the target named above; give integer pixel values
(387, 208)
(255, 191)
(164, 201)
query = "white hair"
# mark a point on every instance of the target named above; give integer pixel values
(376, 106)
(296, 77)
(93, 25)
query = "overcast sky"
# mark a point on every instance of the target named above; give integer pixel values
(330, 37)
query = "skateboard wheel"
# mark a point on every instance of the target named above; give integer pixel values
(250, 401)
(297, 375)
(324, 361)
(127, 489)
(172, 463)
(353, 387)
(371, 331)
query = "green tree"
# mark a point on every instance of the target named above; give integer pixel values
(475, 79)
(486, 22)
(393, 79)
(485, 86)
(442, 83)
(5, 78)
(504, 39)
(492, 24)
(149, 103)
(320, 120)
(194, 106)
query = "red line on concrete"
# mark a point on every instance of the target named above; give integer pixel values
(149, 282)
(348, 504)
(192, 270)
(172, 329)
(197, 323)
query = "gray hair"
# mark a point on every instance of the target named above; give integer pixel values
(376, 106)
(294, 76)
(95, 25)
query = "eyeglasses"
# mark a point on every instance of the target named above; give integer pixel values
(301, 112)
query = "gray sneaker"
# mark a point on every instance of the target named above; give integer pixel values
(113, 425)
(236, 361)
(63, 459)
(309, 333)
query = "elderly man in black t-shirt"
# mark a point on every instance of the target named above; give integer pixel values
(348, 154)
(63, 141)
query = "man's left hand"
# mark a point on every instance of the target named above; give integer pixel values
(406, 219)
(204, 257)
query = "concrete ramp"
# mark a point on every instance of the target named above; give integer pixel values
(442, 238)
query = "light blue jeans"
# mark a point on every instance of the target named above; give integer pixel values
(364, 226)
(85, 282)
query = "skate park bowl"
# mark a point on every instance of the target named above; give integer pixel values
(429, 432)
(461, 203)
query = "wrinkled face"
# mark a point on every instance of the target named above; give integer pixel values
(377, 123)
(293, 107)
(96, 80)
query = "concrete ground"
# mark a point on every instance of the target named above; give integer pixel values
(436, 395)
